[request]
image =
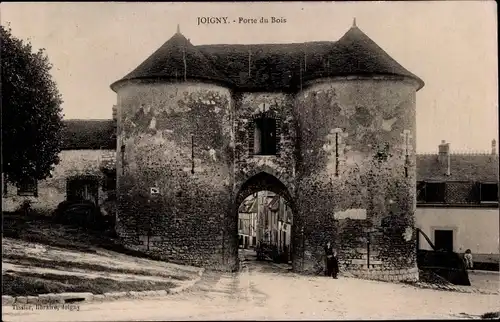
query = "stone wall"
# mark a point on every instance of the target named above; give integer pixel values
(353, 173)
(52, 191)
(174, 171)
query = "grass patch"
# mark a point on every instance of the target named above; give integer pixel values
(58, 264)
(32, 284)
(44, 230)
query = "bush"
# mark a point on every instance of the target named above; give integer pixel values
(83, 214)
(25, 208)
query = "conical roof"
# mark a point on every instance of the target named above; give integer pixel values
(356, 54)
(177, 59)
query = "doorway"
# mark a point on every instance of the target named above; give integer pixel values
(83, 189)
(443, 239)
(265, 220)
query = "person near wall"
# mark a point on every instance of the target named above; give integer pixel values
(332, 266)
(469, 264)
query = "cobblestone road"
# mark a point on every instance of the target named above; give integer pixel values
(266, 291)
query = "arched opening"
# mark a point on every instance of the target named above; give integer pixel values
(264, 210)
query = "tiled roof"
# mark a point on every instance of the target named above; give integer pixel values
(248, 206)
(88, 135)
(272, 66)
(173, 58)
(463, 167)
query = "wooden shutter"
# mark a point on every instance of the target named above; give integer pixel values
(278, 135)
(250, 137)
(421, 191)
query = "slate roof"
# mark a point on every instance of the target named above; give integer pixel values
(272, 66)
(88, 135)
(463, 167)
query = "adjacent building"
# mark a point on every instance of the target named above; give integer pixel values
(457, 201)
(86, 170)
(247, 222)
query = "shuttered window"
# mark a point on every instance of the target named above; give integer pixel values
(251, 138)
(264, 136)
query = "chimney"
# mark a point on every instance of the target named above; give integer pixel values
(444, 156)
(493, 147)
(114, 112)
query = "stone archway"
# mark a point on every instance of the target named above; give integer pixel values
(261, 181)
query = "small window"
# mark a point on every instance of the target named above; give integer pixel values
(489, 192)
(264, 136)
(28, 187)
(432, 192)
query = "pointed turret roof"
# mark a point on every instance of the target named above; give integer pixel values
(176, 59)
(356, 54)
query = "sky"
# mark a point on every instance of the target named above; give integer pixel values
(451, 45)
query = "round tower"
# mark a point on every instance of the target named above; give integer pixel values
(174, 155)
(356, 169)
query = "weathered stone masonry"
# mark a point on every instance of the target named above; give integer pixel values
(368, 118)
(345, 156)
(176, 137)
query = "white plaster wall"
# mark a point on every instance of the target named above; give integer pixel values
(52, 191)
(474, 228)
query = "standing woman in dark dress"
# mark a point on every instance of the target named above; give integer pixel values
(329, 259)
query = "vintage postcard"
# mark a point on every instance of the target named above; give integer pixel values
(249, 161)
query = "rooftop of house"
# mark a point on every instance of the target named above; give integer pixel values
(268, 66)
(249, 205)
(89, 135)
(481, 167)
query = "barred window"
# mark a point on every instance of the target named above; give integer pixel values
(28, 187)
(489, 192)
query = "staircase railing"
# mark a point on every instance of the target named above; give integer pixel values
(420, 232)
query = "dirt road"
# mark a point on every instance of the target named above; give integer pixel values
(265, 291)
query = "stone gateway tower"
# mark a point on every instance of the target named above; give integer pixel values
(328, 125)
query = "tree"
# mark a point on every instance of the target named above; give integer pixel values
(31, 111)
